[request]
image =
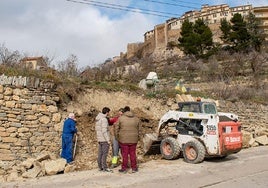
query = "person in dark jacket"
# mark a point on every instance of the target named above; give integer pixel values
(69, 129)
(127, 131)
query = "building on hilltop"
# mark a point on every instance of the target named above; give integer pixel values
(169, 32)
(34, 63)
(262, 14)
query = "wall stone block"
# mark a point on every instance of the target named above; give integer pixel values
(43, 129)
(44, 119)
(56, 117)
(14, 111)
(31, 125)
(3, 119)
(11, 129)
(7, 157)
(5, 151)
(8, 91)
(1, 89)
(52, 109)
(3, 114)
(4, 146)
(42, 108)
(21, 143)
(7, 98)
(17, 92)
(10, 104)
(46, 143)
(26, 106)
(13, 124)
(30, 117)
(9, 140)
(14, 135)
(2, 128)
(11, 116)
(23, 130)
(13, 120)
(16, 97)
(4, 134)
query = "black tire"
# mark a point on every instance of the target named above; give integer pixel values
(170, 148)
(194, 152)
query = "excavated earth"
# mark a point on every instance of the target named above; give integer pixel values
(90, 104)
(254, 118)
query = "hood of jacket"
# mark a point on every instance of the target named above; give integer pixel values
(100, 116)
(129, 114)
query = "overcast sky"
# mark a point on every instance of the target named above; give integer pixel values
(59, 28)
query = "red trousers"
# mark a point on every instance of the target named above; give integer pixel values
(129, 150)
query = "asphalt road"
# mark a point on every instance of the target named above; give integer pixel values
(246, 169)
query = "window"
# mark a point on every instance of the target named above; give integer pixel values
(210, 109)
(190, 108)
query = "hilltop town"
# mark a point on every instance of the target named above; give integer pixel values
(164, 37)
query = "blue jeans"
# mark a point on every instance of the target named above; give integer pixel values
(115, 147)
(67, 147)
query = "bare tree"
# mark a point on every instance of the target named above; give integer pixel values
(8, 57)
(257, 61)
(257, 64)
(69, 67)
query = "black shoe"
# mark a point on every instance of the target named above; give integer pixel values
(107, 170)
(122, 171)
(134, 170)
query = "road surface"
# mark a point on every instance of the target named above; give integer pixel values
(246, 169)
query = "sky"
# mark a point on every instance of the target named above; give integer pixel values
(85, 28)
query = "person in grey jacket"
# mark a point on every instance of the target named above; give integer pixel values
(103, 137)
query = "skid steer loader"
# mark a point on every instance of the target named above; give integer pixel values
(196, 130)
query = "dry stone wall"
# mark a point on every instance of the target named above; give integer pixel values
(30, 122)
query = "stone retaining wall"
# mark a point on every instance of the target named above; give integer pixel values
(30, 123)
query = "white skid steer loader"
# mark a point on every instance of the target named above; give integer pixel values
(197, 131)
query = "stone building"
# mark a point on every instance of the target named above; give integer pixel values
(35, 63)
(262, 14)
(166, 33)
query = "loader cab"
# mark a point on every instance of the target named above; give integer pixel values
(194, 126)
(198, 107)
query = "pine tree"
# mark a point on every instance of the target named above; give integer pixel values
(196, 39)
(226, 29)
(256, 35)
(239, 35)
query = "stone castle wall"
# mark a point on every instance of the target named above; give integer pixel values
(30, 121)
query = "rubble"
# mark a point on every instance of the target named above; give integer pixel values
(43, 165)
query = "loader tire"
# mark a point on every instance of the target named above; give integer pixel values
(170, 148)
(194, 152)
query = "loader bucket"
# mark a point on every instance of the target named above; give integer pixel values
(151, 144)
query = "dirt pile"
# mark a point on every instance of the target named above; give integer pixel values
(87, 147)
